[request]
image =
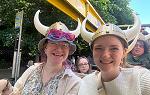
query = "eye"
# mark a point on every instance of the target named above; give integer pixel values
(114, 49)
(53, 43)
(66, 45)
(98, 48)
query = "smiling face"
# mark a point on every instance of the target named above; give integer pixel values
(83, 65)
(108, 52)
(138, 49)
(57, 52)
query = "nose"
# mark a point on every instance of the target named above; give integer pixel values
(83, 66)
(105, 53)
(59, 48)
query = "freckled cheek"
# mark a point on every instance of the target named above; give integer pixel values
(97, 54)
(67, 51)
(118, 57)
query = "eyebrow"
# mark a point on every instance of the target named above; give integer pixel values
(102, 45)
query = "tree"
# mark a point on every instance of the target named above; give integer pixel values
(115, 11)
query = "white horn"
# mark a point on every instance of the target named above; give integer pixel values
(147, 37)
(131, 46)
(87, 36)
(40, 27)
(141, 36)
(76, 32)
(132, 32)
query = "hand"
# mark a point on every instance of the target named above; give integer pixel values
(5, 87)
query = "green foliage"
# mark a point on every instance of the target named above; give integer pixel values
(3, 64)
(8, 36)
(114, 11)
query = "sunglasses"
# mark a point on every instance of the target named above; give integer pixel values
(58, 34)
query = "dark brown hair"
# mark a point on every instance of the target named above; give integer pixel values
(77, 62)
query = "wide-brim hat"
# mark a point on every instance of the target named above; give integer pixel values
(42, 42)
(58, 27)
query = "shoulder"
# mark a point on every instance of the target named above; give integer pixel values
(143, 73)
(70, 81)
(92, 79)
(81, 75)
(144, 80)
(69, 74)
(25, 75)
(135, 69)
(137, 72)
(90, 84)
(91, 76)
(31, 68)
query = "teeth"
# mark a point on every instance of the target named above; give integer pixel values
(57, 54)
(105, 62)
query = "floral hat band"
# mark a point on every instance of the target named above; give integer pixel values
(58, 34)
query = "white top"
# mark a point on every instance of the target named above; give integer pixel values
(131, 81)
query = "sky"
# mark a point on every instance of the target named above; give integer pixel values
(142, 7)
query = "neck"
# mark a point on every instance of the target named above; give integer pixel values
(49, 71)
(110, 75)
(53, 68)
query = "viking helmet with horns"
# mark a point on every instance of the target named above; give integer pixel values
(56, 32)
(111, 29)
(144, 37)
(58, 25)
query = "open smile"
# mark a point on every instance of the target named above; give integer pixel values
(106, 62)
(58, 55)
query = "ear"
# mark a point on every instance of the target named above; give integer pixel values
(125, 52)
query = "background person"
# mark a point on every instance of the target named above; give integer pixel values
(146, 37)
(139, 55)
(83, 65)
(53, 76)
(109, 45)
(143, 31)
(30, 63)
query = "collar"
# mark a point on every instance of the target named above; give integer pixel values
(68, 72)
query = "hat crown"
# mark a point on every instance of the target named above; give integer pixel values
(59, 26)
(112, 29)
(109, 29)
